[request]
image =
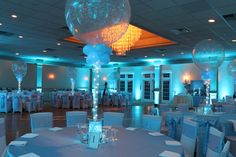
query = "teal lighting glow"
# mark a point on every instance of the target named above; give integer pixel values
(39, 77)
(156, 97)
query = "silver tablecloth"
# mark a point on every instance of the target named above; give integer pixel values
(64, 143)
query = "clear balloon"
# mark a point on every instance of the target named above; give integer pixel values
(97, 54)
(208, 54)
(232, 68)
(20, 70)
(72, 73)
(98, 21)
(207, 75)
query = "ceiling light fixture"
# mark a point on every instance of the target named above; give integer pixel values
(234, 40)
(125, 43)
(17, 54)
(45, 51)
(211, 20)
(163, 55)
(0, 24)
(14, 16)
(58, 44)
(145, 56)
(181, 53)
(20, 36)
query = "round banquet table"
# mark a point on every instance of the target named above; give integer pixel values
(64, 143)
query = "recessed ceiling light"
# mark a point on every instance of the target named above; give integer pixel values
(234, 40)
(145, 56)
(58, 44)
(163, 54)
(45, 51)
(211, 20)
(181, 53)
(14, 16)
(20, 36)
(17, 54)
(0, 23)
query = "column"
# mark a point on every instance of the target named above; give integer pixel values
(39, 71)
(157, 85)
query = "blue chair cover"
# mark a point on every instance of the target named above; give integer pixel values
(39, 121)
(2, 136)
(113, 119)
(75, 117)
(151, 123)
(174, 121)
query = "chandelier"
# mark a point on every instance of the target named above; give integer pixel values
(127, 40)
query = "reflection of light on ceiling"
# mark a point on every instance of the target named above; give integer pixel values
(51, 76)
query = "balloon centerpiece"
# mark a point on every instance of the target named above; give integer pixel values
(72, 74)
(96, 23)
(208, 55)
(19, 69)
(232, 69)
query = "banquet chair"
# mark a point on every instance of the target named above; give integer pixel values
(189, 137)
(231, 109)
(183, 107)
(16, 103)
(151, 123)
(65, 101)
(40, 121)
(225, 151)
(5, 106)
(113, 119)
(215, 143)
(75, 117)
(76, 101)
(2, 136)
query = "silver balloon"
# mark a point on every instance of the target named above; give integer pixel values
(232, 68)
(72, 73)
(98, 21)
(19, 69)
(208, 54)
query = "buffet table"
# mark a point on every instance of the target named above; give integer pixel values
(64, 143)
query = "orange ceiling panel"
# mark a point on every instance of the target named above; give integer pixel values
(146, 40)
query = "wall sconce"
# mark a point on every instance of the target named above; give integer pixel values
(86, 78)
(51, 76)
(186, 78)
(104, 78)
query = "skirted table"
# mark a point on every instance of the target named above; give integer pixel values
(64, 143)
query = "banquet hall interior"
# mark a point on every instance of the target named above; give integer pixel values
(118, 78)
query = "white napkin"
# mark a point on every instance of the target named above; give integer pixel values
(172, 143)
(130, 128)
(234, 123)
(30, 135)
(107, 127)
(155, 134)
(169, 154)
(18, 143)
(29, 155)
(55, 129)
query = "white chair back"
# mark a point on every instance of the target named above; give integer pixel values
(215, 143)
(40, 121)
(2, 136)
(225, 150)
(151, 123)
(189, 137)
(113, 119)
(73, 118)
(4, 105)
(76, 101)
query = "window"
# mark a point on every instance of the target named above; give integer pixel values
(126, 83)
(166, 82)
